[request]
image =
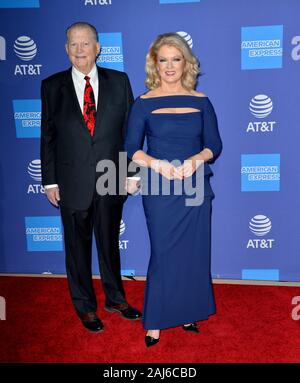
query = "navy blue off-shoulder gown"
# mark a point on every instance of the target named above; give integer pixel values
(179, 288)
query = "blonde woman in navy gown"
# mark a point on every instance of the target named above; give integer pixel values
(178, 123)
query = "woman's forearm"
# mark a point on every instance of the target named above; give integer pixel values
(143, 159)
(205, 155)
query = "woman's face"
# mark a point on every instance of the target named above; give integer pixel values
(170, 64)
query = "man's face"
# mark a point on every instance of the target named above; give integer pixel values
(82, 49)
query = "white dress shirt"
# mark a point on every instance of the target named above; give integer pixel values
(79, 83)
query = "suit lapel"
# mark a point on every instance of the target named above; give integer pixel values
(103, 93)
(69, 87)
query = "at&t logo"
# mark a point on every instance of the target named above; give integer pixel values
(187, 38)
(123, 244)
(260, 226)
(261, 106)
(97, 2)
(26, 50)
(34, 171)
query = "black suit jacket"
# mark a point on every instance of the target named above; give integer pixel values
(69, 154)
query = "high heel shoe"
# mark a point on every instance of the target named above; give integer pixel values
(192, 327)
(150, 341)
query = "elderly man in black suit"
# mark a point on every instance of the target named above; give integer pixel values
(84, 110)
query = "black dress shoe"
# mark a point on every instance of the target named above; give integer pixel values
(125, 311)
(91, 322)
(150, 341)
(192, 327)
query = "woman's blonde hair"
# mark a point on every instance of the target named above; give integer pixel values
(191, 70)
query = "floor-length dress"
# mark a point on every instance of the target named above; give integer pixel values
(178, 288)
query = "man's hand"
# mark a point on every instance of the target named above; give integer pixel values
(53, 195)
(132, 184)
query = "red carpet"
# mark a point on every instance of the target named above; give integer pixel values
(253, 324)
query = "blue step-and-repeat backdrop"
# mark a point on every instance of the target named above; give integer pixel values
(250, 59)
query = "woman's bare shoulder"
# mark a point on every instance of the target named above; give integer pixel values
(198, 94)
(149, 94)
